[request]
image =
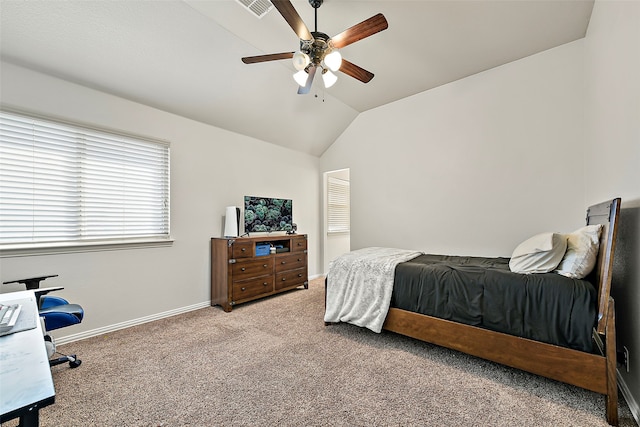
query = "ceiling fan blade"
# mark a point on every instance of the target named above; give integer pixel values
(356, 72)
(264, 58)
(366, 28)
(290, 14)
(304, 90)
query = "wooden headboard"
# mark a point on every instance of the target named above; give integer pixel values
(606, 213)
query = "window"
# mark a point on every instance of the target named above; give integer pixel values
(65, 184)
(338, 205)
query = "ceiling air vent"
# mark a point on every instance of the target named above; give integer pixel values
(257, 7)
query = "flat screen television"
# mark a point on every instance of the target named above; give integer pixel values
(267, 214)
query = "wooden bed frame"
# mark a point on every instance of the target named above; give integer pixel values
(591, 371)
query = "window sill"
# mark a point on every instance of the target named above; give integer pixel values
(9, 251)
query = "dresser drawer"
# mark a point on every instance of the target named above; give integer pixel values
(290, 262)
(291, 278)
(299, 244)
(252, 288)
(247, 268)
(242, 249)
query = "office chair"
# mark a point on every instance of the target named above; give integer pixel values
(57, 313)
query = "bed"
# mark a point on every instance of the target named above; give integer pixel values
(547, 324)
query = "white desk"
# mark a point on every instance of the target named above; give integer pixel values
(26, 384)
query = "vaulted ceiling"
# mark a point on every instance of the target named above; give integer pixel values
(184, 56)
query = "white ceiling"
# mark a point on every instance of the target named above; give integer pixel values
(184, 56)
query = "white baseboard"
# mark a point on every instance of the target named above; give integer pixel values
(628, 397)
(117, 326)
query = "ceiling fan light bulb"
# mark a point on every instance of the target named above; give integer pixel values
(300, 60)
(329, 79)
(301, 78)
(333, 60)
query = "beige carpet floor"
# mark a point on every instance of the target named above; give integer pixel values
(273, 363)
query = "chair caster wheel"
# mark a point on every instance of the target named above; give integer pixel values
(75, 363)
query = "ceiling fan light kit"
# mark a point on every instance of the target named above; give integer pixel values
(333, 60)
(328, 78)
(318, 50)
(300, 60)
(301, 77)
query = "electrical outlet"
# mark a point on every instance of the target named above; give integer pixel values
(626, 358)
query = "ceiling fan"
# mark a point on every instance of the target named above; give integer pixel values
(318, 51)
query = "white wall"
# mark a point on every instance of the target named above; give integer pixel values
(473, 167)
(210, 169)
(612, 167)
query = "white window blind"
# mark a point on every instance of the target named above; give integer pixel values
(338, 209)
(61, 182)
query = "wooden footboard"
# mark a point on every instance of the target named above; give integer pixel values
(558, 363)
(586, 370)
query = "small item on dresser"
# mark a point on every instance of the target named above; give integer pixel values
(262, 249)
(294, 228)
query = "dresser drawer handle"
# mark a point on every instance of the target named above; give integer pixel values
(265, 265)
(284, 279)
(299, 259)
(243, 289)
(283, 262)
(265, 284)
(300, 275)
(243, 249)
(242, 269)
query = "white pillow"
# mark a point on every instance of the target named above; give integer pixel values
(582, 251)
(539, 254)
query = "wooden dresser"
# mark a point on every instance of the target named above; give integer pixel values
(241, 272)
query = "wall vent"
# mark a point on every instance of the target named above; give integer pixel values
(258, 8)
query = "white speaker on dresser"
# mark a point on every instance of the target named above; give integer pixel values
(232, 222)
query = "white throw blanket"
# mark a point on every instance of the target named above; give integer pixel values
(360, 283)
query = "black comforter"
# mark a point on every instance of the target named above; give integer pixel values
(484, 292)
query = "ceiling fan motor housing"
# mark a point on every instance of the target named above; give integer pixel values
(315, 3)
(317, 49)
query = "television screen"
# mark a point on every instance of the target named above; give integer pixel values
(266, 214)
